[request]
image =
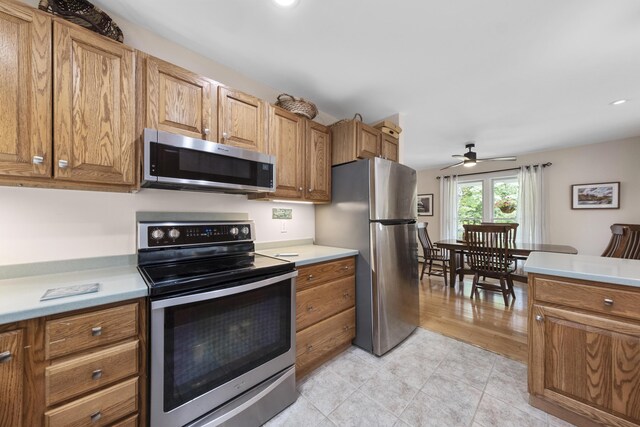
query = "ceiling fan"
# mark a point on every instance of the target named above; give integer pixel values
(470, 158)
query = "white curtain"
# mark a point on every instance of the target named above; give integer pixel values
(448, 207)
(531, 205)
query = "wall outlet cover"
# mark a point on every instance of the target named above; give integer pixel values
(282, 213)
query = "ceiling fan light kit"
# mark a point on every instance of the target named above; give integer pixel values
(470, 158)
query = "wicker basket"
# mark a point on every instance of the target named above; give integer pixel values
(85, 14)
(357, 116)
(297, 105)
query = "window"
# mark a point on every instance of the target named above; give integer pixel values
(491, 199)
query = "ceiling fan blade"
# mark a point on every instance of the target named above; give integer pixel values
(452, 166)
(502, 159)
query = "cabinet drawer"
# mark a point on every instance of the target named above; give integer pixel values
(98, 409)
(310, 275)
(601, 299)
(322, 338)
(129, 422)
(322, 301)
(86, 373)
(74, 333)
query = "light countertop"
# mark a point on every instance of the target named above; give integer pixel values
(21, 295)
(307, 253)
(586, 267)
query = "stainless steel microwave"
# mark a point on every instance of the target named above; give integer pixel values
(181, 163)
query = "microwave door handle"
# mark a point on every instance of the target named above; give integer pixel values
(187, 299)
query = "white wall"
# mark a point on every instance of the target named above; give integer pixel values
(586, 230)
(46, 225)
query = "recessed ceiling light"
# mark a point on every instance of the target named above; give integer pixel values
(285, 3)
(619, 102)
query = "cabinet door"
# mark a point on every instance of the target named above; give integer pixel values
(25, 89)
(586, 363)
(178, 100)
(367, 141)
(94, 109)
(285, 142)
(318, 162)
(11, 378)
(241, 120)
(389, 147)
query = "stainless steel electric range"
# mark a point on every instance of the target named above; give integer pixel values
(222, 325)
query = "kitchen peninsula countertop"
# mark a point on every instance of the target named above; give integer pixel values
(307, 253)
(585, 267)
(118, 278)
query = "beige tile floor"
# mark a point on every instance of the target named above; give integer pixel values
(428, 380)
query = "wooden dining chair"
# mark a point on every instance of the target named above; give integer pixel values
(488, 256)
(431, 254)
(630, 246)
(619, 237)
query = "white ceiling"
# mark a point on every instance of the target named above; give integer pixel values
(516, 76)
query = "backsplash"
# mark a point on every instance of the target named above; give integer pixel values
(47, 225)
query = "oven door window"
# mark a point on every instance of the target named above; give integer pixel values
(211, 342)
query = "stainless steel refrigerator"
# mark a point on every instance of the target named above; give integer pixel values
(373, 209)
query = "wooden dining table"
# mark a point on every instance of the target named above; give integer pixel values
(457, 248)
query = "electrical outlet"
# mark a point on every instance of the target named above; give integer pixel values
(283, 227)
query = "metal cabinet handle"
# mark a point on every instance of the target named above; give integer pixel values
(309, 277)
(95, 417)
(345, 328)
(96, 331)
(300, 189)
(207, 131)
(539, 318)
(608, 301)
(345, 295)
(310, 190)
(225, 135)
(63, 164)
(5, 356)
(37, 160)
(96, 375)
(345, 267)
(309, 347)
(309, 308)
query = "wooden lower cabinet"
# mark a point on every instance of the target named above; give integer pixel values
(582, 362)
(11, 378)
(325, 307)
(74, 369)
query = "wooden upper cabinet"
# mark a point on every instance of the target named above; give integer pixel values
(353, 140)
(367, 141)
(25, 90)
(389, 148)
(241, 120)
(94, 107)
(286, 132)
(317, 162)
(178, 100)
(11, 378)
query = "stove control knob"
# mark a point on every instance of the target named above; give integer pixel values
(244, 230)
(233, 231)
(157, 234)
(174, 233)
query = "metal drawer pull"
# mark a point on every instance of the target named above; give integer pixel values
(608, 301)
(96, 331)
(309, 308)
(62, 164)
(5, 356)
(345, 268)
(345, 295)
(37, 160)
(309, 277)
(309, 347)
(207, 131)
(97, 374)
(95, 417)
(539, 318)
(225, 135)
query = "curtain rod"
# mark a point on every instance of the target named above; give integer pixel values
(544, 165)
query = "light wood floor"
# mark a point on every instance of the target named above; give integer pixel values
(484, 322)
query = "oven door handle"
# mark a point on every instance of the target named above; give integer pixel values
(187, 299)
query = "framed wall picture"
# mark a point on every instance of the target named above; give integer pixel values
(425, 204)
(604, 195)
